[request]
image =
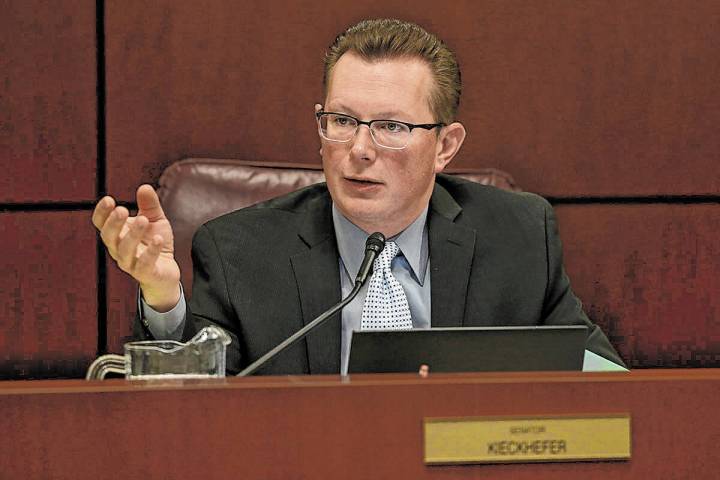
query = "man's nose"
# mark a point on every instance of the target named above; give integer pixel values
(363, 146)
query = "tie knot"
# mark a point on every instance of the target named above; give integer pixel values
(390, 251)
(383, 261)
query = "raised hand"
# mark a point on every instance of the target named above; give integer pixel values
(142, 246)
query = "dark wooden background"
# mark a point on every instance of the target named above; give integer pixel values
(608, 108)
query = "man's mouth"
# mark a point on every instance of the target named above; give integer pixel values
(363, 181)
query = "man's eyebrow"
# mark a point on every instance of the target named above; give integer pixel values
(389, 115)
(386, 115)
(340, 108)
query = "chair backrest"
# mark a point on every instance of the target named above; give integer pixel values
(195, 190)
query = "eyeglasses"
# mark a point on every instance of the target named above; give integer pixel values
(392, 134)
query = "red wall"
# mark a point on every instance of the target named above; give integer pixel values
(573, 98)
(610, 107)
(48, 156)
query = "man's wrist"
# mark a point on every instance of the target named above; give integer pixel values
(161, 300)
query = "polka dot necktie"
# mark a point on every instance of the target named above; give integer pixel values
(386, 306)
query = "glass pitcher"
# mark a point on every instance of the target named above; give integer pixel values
(202, 357)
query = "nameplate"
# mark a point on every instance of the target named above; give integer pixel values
(527, 439)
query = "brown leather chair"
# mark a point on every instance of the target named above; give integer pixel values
(195, 190)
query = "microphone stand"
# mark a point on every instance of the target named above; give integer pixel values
(374, 245)
(300, 333)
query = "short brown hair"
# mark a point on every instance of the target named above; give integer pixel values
(389, 38)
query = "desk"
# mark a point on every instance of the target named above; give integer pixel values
(327, 427)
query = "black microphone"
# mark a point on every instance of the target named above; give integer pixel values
(373, 246)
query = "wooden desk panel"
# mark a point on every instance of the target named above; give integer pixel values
(325, 427)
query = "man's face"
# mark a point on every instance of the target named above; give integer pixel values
(376, 188)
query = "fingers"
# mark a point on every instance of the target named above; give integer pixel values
(127, 246)
(149, 203)
(128, 239)
(102, 210)
(111, 230)
(145, 263)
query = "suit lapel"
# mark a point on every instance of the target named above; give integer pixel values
(317, 275)
(452, 248)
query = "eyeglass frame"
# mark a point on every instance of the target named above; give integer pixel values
(411, 126)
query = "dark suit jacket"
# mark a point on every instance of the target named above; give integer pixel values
(263, 272)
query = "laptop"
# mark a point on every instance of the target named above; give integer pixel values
(473, 349)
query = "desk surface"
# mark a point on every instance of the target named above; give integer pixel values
(32, 387)
(361, 426)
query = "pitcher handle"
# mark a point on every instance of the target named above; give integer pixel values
(104, 365)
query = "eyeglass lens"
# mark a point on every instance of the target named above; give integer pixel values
(386, 133)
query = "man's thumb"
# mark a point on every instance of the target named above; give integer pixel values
(149, 203)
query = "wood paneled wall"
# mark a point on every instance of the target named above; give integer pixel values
(608, 108)
(48, 158)
(587, 98)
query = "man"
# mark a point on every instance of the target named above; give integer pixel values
(461, 254)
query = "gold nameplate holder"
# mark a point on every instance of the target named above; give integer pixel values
(527, 439)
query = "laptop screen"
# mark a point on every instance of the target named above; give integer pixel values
(476, 349)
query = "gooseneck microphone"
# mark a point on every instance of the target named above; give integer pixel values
(373, 246)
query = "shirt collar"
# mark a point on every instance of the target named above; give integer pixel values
(412, 242)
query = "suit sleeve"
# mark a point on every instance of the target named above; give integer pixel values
(561, 306)
(210, 303)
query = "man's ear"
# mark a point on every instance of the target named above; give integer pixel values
(319, 107)
(448, 144)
